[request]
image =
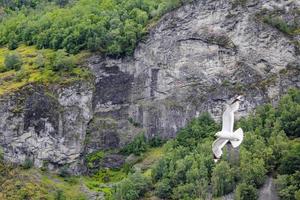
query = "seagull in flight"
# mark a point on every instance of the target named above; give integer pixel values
(227, 134)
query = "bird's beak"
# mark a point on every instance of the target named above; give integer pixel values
(241, 98)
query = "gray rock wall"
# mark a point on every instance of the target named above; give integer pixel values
(200, 56)
(46, 126)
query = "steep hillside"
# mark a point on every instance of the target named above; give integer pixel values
(192, 61)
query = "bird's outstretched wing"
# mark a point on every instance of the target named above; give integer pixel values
(239, 134)
(227, 120)
(217, 146)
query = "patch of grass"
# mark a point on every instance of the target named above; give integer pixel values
(150, 158)
(285, 22)
(70, 187)
(17, 183)
(103, 178)
(280, 24)
(37, 68)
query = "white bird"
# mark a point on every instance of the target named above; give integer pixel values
(227, 133)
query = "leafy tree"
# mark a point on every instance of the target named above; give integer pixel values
(132, 187)
(222, 179)
(288, 186)
(289, 113)
(246, 191)
(163, 189)
(137, 146)
(252, 169)
(197, 129)
(109, 26)
(290, 161)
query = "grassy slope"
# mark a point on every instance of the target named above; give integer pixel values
(37, 184)
(13, 80)
(17, 183)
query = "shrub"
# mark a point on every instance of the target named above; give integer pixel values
(197, 129)
(246, 191)
(279, 24)
(28, 163)
(156, 141)
(12, 44)
(62, 62)
(163, 188)
(290, 162)
(40, 61)
(95, 157)
(13, 61)
(137, 146)
(64, 172)
(132, 187)
(20, 75)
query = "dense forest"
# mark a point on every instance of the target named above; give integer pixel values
(112, 27)
(187, 171)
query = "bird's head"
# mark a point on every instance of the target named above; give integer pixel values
(238, 98)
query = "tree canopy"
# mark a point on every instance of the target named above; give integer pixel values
(112, 27)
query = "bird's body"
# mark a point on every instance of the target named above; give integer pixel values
(227, 134)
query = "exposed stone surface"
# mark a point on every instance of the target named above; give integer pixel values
(46, 127)
(196, 58)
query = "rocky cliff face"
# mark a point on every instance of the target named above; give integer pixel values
(195, 59)
(46, 126)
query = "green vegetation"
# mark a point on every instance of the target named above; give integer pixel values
(183, 168)
(12, 61)
(246, 192)
(137, 146)
(141, 144)
(13, 5)
(112, 27)
(132, 187)
(187, 168)
(18, 184)
(28, 163)
(27, 65)
(289, 186)
(285, 21)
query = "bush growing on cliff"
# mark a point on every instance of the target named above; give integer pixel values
(137, 146)
(28, 163)
(13, 61)
(61, 61)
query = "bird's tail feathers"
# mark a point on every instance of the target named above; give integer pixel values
(239, 134)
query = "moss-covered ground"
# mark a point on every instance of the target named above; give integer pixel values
(12, 80)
